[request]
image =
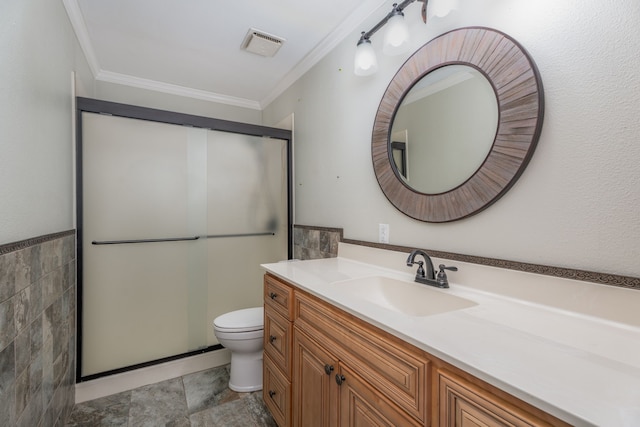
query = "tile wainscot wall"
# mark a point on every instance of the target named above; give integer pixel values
(37, 330)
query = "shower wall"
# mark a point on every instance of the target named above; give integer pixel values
(176, 222)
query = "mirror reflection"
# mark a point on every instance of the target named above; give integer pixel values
(444, 129)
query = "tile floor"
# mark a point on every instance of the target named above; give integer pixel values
(201, 399)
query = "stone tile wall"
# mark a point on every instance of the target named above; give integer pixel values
(310, 242)
(37, 330)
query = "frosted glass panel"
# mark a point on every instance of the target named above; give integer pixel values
(246, 183)
(247, 193)
(149, 180)
(144, 301)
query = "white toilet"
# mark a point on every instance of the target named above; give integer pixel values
(241, 332)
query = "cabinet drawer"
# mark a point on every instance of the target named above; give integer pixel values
(393, 367)
(361, 406)
(462, 404)
(278, 296)
(276, 393)
(278, 340)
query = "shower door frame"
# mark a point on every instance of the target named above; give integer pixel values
(89, 105)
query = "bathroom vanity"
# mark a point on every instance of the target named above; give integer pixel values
(339, 353)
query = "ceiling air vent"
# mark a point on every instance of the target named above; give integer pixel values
(262, 43)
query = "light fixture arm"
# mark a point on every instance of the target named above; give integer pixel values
(397, 8)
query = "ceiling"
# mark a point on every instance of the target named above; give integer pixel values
(193, 47)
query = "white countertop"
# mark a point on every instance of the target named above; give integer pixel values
(580, 367)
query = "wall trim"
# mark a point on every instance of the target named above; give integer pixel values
(565, 273)
(23, 244)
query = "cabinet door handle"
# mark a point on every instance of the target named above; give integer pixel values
(340, 379)
(273, 295)
(271, 339)
(272, 393)
(328, 369)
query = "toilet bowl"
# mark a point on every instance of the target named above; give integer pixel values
(241, 331)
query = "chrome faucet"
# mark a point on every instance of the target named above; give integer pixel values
(429, 277)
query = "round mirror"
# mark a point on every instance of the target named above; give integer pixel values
(433, 177)
(444, 128)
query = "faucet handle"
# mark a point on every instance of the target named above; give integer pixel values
(420, 272)
(443, 267)
(441, 278)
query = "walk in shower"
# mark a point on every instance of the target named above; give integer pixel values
(175, 215)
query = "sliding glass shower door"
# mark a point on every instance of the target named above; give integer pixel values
(175, 223)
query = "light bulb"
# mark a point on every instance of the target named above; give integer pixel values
(396, 37)
(442, 8)
(365, 62)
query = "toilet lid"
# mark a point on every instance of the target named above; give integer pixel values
(248, 319)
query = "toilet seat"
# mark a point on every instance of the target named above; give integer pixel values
(245, 320)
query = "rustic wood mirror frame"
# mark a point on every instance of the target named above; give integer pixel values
(518, 87)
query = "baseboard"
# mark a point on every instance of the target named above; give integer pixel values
(118, 383)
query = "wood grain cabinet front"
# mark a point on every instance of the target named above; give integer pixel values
(362, 405)
(315, 391)
(277, 393)
(278, 296)
(465, 404)
(328, 393)
(277, 340)
(278, 327)
(396, 369)
(341, 362)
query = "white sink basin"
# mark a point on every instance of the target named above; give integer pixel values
(410, 298)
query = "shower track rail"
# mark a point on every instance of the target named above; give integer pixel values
(179, 239)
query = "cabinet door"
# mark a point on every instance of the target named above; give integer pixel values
(315, 391)
(363, 406)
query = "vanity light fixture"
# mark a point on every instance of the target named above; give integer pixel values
(396, 37)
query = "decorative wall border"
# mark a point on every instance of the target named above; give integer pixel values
(23, 244)
(330, 229)
(565, 273)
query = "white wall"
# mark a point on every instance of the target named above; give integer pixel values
(38, 52)
(577, 205)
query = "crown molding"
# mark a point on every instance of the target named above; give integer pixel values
(137, 82)
(80, 28)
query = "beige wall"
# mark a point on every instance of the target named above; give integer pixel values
(576, 205)
(39, 51)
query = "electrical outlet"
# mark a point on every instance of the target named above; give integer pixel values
(383, 233)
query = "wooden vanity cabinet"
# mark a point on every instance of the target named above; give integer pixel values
(278, 336)
(326, 367)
